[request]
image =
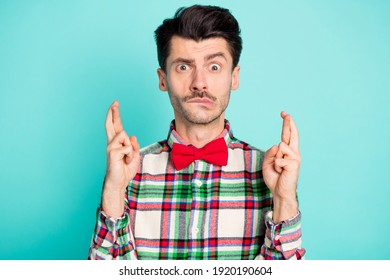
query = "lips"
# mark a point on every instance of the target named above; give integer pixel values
(200, 100)
(205, 102)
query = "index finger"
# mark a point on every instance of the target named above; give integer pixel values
(286, 130)
(294, 139)
(110, 131)
(116, 118)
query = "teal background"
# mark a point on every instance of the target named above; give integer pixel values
(62, 63)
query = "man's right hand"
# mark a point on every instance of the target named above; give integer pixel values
(123, 160)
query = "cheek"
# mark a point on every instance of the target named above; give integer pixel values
(222, 84)
(178, 83)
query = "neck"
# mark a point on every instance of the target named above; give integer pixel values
(199, 134)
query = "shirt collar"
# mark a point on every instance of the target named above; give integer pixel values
(174, 137)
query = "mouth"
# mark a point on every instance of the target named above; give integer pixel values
(204, 102)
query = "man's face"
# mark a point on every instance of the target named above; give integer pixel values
(199, 78)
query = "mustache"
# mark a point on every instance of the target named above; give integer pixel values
(199, 94)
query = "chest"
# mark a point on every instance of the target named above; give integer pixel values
(198, 207)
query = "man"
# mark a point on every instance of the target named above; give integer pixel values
(201, 193)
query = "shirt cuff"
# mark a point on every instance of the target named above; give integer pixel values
(284, 236)
(108, 227)
(117, 223)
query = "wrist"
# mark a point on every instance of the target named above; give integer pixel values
(113, 201)
(112, 186)
(284, 209)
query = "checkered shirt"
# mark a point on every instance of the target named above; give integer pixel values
(203, 211)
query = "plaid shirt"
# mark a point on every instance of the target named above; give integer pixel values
(203, 211)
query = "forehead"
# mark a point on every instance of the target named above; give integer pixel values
(191, 49)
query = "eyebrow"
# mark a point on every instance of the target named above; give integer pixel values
(214, 55)
(183, 60)
(191, 61)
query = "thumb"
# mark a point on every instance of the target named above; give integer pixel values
(135, 149)
(135, 144)
(269, 156)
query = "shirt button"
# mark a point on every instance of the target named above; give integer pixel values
(196, 230)
(198, 183)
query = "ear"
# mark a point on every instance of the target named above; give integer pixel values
(162, 80)
(235, 77)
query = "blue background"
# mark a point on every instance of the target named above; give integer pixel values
(62, 63)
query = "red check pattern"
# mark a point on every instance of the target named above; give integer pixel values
(202, 211)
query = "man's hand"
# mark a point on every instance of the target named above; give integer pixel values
(123, 159)
(281, 170)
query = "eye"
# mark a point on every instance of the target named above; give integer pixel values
(182, 67)
(215, 67)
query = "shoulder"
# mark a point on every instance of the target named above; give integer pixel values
(155, 158)
(239, 147)
(155, 148)
(239, 144)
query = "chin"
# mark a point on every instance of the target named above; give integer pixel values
(202, 120)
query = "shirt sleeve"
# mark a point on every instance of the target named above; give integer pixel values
(283, 240)
(112, 239)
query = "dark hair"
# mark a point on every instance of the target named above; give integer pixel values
(197, 23)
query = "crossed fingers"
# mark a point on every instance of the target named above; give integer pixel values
(288, 148)
(116, 136)
(113, 121)
(289, 131)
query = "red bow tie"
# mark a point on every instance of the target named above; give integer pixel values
(215, 152)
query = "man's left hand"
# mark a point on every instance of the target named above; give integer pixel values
(281, 170)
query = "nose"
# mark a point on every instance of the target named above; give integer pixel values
(199, 82)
